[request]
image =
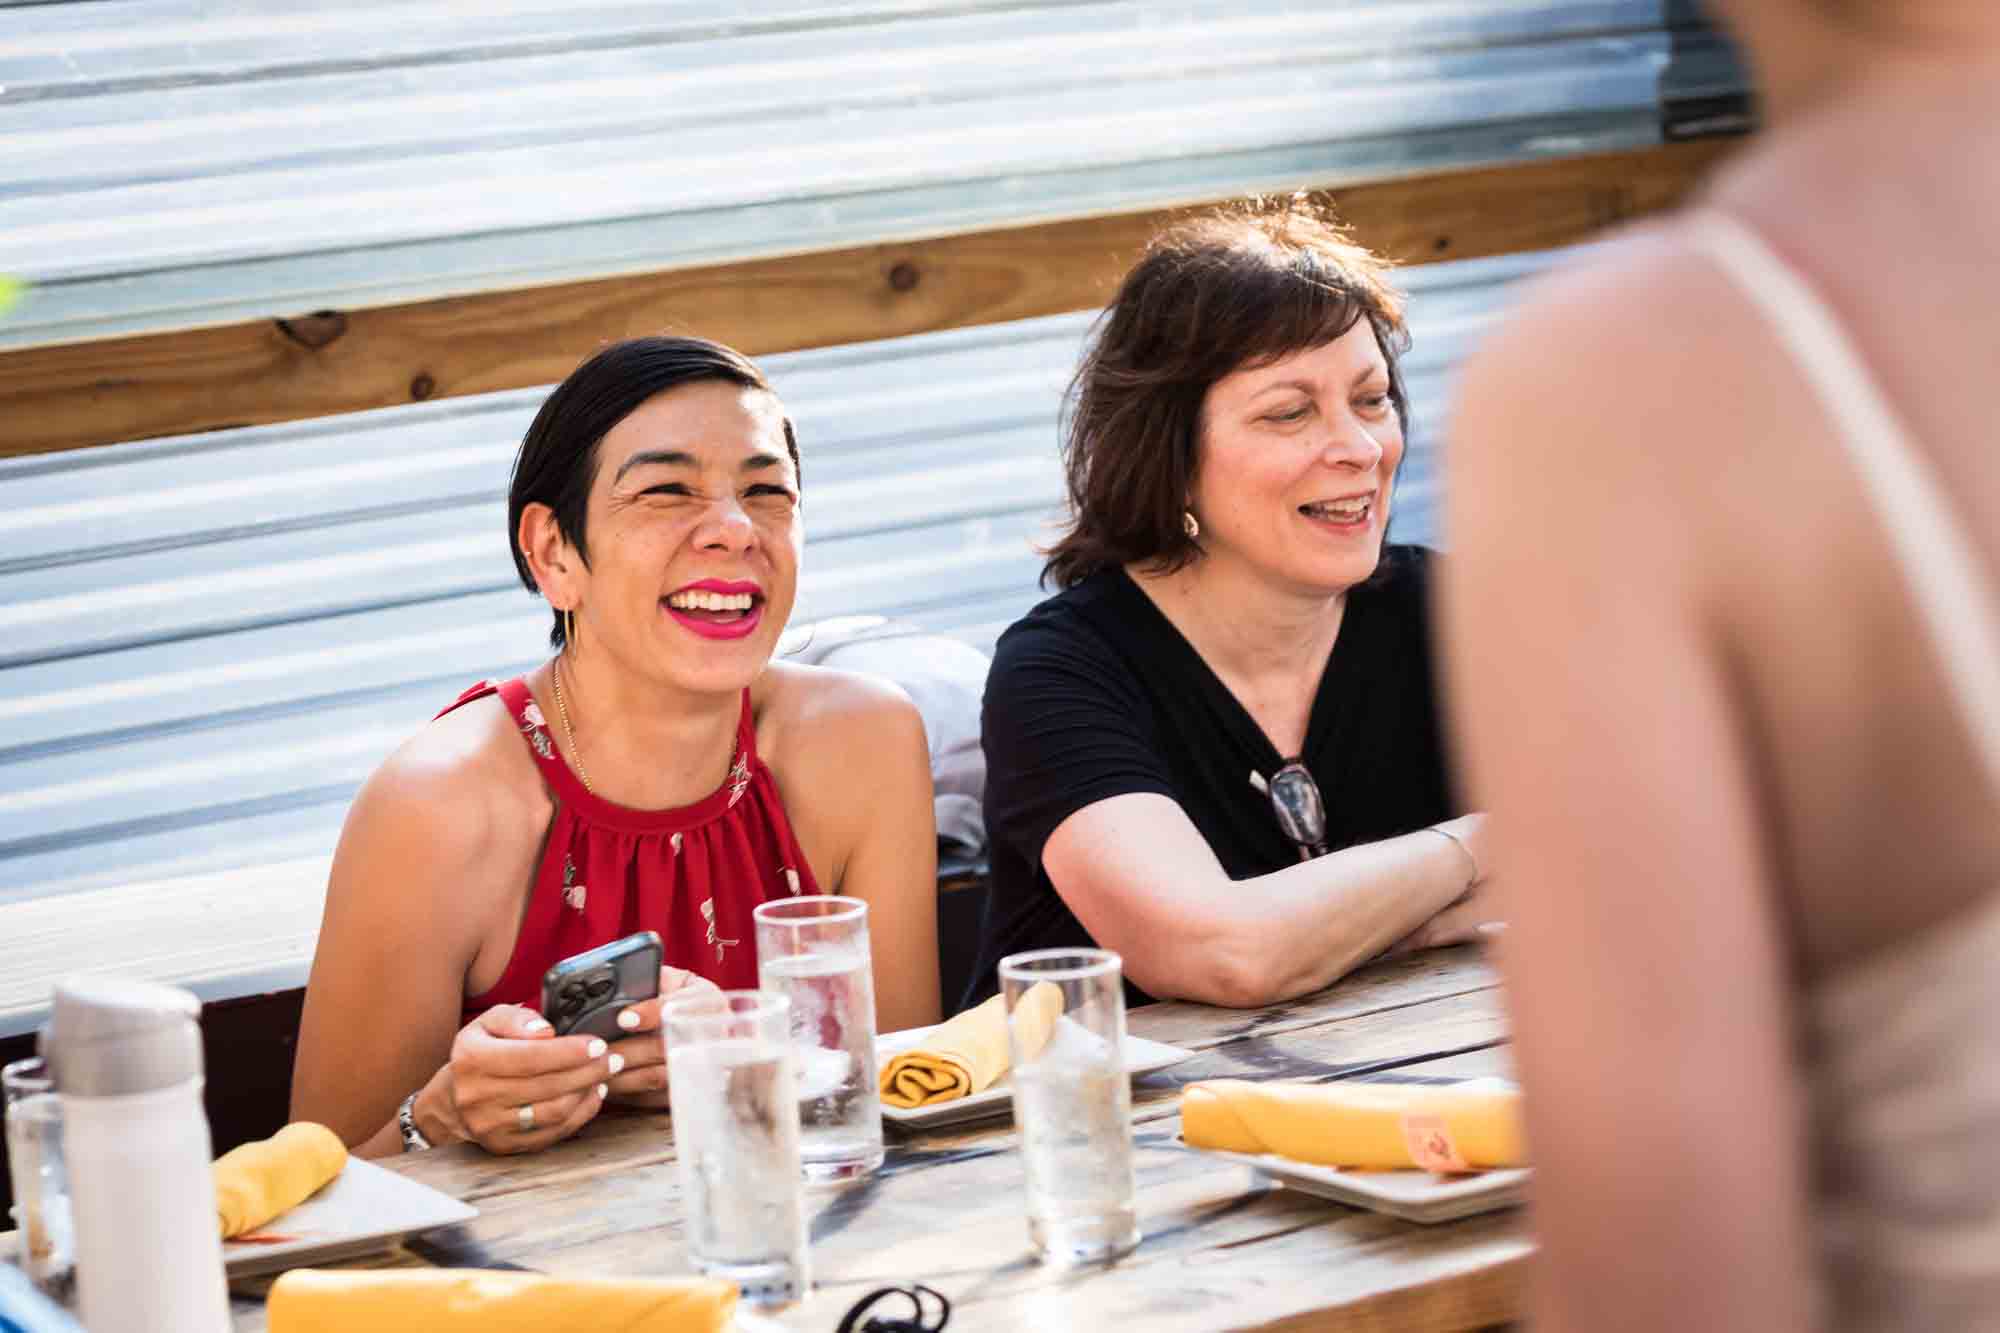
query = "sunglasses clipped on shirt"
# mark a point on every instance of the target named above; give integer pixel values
(1297, 805)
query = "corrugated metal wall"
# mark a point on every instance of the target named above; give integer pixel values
(168, 163)
(209, 641)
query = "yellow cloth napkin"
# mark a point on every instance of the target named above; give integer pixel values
(445, 1300)
(966, 1054)
(1376, 1125)
(256, 1182)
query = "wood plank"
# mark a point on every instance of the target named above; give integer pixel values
(1223, 1246)
(104, 391)
(1386, 1034)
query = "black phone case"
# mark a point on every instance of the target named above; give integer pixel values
(583, 994)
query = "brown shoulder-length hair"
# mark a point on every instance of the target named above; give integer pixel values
(1214, 294)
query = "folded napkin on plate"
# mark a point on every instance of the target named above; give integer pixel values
(256, 1182)
(1468, 1126)
(965, 1055)
(446, 1300)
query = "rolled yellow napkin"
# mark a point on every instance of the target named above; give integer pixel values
(258, 1181)
(447, 1300)
(1383, 1126)
(966, 1054)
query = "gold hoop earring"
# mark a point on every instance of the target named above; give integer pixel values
(1189, 525)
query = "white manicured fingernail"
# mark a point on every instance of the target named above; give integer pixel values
(538, 1025)
(629, 1019)
(603, 1091)
(597, 1047)
(614, 1064)
(1493, 927)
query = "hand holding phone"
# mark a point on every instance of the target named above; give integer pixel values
(584, 994)
(643, 1081)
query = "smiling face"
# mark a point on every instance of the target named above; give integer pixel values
(1295, 465)
(694, 538)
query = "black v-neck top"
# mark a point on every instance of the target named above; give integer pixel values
(1094, 694)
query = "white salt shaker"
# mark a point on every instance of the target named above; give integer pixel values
(127, 1061)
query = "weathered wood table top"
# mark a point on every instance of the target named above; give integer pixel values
(1223, 1248)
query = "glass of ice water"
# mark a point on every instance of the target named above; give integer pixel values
(41, 1183)
(733, 1088)
(814, 951)
(1073, 1102)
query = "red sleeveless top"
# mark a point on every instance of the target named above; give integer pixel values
(691, 874)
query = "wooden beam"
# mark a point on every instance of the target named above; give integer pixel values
(71, 395)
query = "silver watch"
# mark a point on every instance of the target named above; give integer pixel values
(406, 1120)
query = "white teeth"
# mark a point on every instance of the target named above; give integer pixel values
(700, 599)
(1343, 508)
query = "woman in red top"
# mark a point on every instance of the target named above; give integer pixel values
(660, 773)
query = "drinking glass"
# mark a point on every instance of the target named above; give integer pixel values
(1073, 1102)
(734, 1094)
(41, 1183)
(814, 951)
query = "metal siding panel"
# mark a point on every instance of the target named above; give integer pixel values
(173, 164)
(213, 699)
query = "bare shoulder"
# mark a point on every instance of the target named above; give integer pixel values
(813, 717)
(451, 792)
(1618, 386)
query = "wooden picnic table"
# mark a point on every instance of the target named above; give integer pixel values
(1223, 1248)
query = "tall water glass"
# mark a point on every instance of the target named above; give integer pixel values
(814, 951)
(1073, 1102)
(734, 1092)
(41, 1182)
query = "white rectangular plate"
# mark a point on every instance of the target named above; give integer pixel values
(1415, 1196)
(1141, 1057)
(363, 1210)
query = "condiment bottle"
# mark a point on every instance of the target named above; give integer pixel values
(127, 1061)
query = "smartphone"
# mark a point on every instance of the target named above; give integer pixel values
(585, 992)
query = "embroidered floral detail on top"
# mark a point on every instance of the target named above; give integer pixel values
(708, 915)
(535, 728)
(573, 892)
(676, 843)
(739, 778)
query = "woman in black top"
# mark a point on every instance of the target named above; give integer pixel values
(1217, 750)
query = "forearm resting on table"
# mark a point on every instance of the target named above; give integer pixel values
(1302, 928)
(1187, 931)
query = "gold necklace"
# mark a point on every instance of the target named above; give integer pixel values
(562, 711)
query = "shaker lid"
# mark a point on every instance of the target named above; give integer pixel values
(110, 1036)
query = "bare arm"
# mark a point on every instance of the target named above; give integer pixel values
(893, 868)
(859, 777)
(382, 1004)
(381, 1018)
(1143, 881)
(1644, 961)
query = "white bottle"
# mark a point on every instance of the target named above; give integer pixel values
(127, 1062)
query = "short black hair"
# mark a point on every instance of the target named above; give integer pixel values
(557, 464)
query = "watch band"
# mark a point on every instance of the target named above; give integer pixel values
(406, 1120)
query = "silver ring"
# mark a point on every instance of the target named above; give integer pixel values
(524, 1118)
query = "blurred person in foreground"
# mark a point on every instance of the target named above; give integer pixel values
(660, 773)
(1722, 624)
(1217, 749)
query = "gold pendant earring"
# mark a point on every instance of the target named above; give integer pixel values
(569, 628)
(1189, 525)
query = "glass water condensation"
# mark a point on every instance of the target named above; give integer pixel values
(833, 1033)
(46, 1238)
(1073, 1103)
(736, 1134)
(814, 952)
(1076, 1144)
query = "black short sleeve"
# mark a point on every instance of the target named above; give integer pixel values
(1095, 694)
(1064, 726)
